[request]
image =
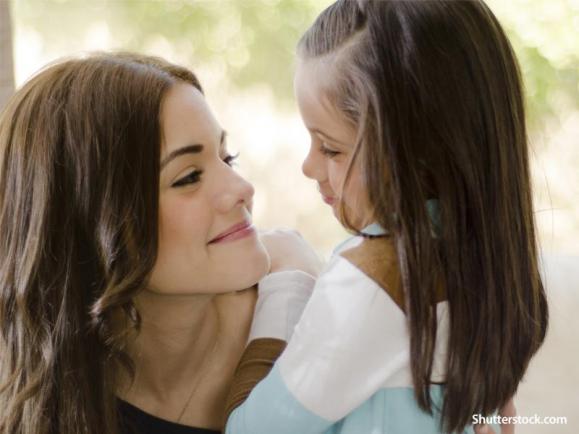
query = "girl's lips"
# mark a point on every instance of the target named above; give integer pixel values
(240, 231)
(328, 200)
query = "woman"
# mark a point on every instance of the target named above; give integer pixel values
(121, 220)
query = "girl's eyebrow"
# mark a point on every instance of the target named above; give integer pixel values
(222, 139)
(190, 149)
(327, 136)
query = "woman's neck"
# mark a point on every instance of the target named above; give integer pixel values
(176, 335)
(186, 350)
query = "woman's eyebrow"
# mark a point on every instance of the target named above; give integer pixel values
(189, 149)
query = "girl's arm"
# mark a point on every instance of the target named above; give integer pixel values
(350, 341)
(283, 294)
(282, 298)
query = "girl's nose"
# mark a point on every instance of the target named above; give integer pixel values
(313, 166)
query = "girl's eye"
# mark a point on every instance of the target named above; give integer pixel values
(328, 152)
(191, 178)
(230, 159)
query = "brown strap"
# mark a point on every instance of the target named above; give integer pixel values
(256, 362)
(377, 258)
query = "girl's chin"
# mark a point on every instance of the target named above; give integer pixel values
(358, 221)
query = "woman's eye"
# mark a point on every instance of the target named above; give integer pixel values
(191, 178)
(195, 176)
(328, 152)
(230, 159)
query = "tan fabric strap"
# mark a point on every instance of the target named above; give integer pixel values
(377, 258)
(256, 362)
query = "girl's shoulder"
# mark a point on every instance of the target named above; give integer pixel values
(376, 259)
(348, 243)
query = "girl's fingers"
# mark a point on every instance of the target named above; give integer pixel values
(508, 410)
(483, 429)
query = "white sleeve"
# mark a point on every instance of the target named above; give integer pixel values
(352, 340)
(281, 299)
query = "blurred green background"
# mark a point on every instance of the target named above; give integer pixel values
(243, 53)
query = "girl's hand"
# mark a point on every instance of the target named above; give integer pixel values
(288, 250)
(508, 410)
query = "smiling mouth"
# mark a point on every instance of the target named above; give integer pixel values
(328, 200)
(235, 232)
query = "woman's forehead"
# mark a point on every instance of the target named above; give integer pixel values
(187, 119)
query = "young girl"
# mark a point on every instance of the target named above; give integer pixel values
(431, 314)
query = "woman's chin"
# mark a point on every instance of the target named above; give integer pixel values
(249, 269)
(259, 270)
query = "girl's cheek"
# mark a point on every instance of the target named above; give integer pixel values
(336, 175)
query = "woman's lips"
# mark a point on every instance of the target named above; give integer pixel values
(236, 232)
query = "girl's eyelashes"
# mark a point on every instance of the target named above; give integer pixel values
(328, 152)
(230, 159)
(191, 178)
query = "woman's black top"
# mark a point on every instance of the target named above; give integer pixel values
(135, 421)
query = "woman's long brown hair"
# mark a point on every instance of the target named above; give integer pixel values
(435, 91)
(79, 174)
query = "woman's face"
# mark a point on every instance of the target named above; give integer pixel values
(332, 144)
(207, 243)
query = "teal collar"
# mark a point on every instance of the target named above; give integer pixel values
(373, 230)
(433, 209)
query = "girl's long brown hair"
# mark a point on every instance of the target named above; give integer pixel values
(79, 174)
(435, 92)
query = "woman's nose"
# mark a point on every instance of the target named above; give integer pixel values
(235, 191)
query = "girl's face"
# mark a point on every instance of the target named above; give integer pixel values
(207, 243)
(332, 143)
